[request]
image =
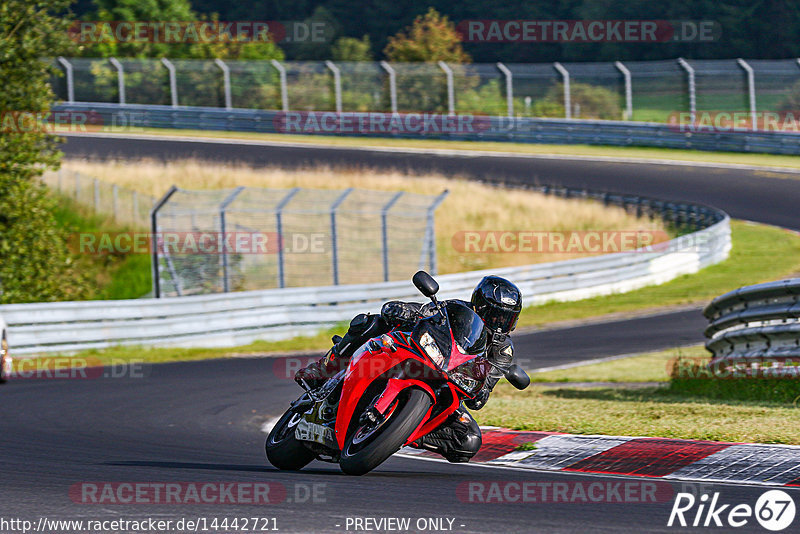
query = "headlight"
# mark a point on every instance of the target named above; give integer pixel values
(469, 377)
(432, 349)
(470, 386)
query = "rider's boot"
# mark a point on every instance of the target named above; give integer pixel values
(316, 374)
(458, 439)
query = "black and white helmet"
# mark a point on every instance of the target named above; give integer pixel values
(498, 302)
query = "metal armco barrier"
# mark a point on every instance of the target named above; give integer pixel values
(756, 329)
(237, 318)
(130, 117)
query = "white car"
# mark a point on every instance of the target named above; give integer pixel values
(5, 359)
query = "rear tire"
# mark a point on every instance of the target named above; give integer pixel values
(284, 451)
(361, 458)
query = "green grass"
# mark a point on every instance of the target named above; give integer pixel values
(760, 253)
(649, 367)
(113, 276)
(763, 411)
(641, 412)
(760, 160)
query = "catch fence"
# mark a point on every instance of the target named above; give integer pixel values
(653, 91)
(259, 238)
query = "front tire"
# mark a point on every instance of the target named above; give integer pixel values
(375, 446)
(284, 451)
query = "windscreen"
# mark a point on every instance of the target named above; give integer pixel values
(468, 329)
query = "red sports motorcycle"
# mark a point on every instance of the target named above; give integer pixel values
(396, 389)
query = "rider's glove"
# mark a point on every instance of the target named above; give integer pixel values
(479, 401)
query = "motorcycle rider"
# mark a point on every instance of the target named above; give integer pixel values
(497, 301)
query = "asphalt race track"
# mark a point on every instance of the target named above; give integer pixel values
(201, 422)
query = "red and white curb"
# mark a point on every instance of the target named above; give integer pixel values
(677, 459)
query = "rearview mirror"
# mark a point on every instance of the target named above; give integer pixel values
(425, 283)
(517, 376)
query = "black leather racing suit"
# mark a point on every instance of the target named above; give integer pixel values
(459, 438)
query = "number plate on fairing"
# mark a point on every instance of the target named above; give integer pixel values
(307, 431)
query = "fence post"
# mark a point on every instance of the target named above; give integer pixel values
(509, 88)
(334, 244)
(284, 89)
(226, 280)
(751, 91)
(135, 207)
(431, 233)
(226, 82)
(385, 233)
(70, 79)
(451, 94)
(120, 79)
(114, 201)
(279, 230)
(628, 89)
(567, 95)
(173, 81)
(393, 85)
(96, 184)
(692, 95)
(337, 84)
(155, 241)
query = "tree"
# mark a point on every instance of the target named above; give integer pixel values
(139, 10)
(35, 263)
(432, 37)
(352, 49)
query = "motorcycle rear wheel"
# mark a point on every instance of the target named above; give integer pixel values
(284, 451)
(365, 448)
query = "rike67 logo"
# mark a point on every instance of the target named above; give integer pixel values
(774, 510)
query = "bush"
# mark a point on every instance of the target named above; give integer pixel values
(589, 101)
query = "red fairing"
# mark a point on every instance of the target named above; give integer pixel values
(457, 357)
(363, 369)
(429, 426)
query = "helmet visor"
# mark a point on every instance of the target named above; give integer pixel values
(498, 319)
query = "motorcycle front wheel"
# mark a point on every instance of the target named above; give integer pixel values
(369, 445)
(284, 451)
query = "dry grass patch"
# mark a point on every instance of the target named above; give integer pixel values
(471, 206)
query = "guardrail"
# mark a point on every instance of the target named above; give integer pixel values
(129, 117)
(237, 318)
(755, 330)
